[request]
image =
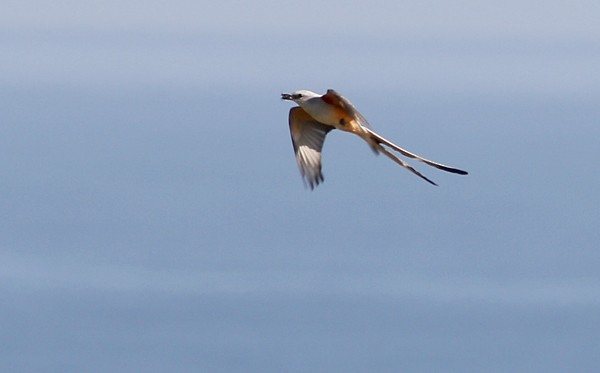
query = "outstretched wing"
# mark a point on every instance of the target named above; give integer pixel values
(332, 97)
(308, 136)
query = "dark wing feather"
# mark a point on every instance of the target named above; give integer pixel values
(334, 98)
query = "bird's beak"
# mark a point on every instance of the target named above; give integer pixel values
(286, 96)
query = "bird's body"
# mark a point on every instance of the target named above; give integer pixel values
(316, 115)
(329, 109)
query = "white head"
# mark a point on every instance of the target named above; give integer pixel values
(300, 96)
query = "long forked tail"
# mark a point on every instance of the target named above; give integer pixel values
(380, 140)
(377, 147)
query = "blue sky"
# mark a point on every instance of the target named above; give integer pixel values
(154, 218)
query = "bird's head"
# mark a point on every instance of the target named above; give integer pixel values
(299, 96)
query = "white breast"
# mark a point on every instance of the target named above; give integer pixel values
(321, 111)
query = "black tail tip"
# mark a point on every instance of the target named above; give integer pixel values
(455, 171)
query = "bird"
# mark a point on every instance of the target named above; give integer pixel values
(316, 115)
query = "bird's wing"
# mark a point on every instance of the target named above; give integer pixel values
(332, 97)
(308, 136)
(380, 140)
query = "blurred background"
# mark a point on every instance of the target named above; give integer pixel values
(153, 217)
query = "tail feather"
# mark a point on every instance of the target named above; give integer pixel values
(401, 163)
(377, 139)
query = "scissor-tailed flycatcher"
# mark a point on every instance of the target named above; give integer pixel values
(317, 114)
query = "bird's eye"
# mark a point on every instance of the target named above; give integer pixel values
(296, 95)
